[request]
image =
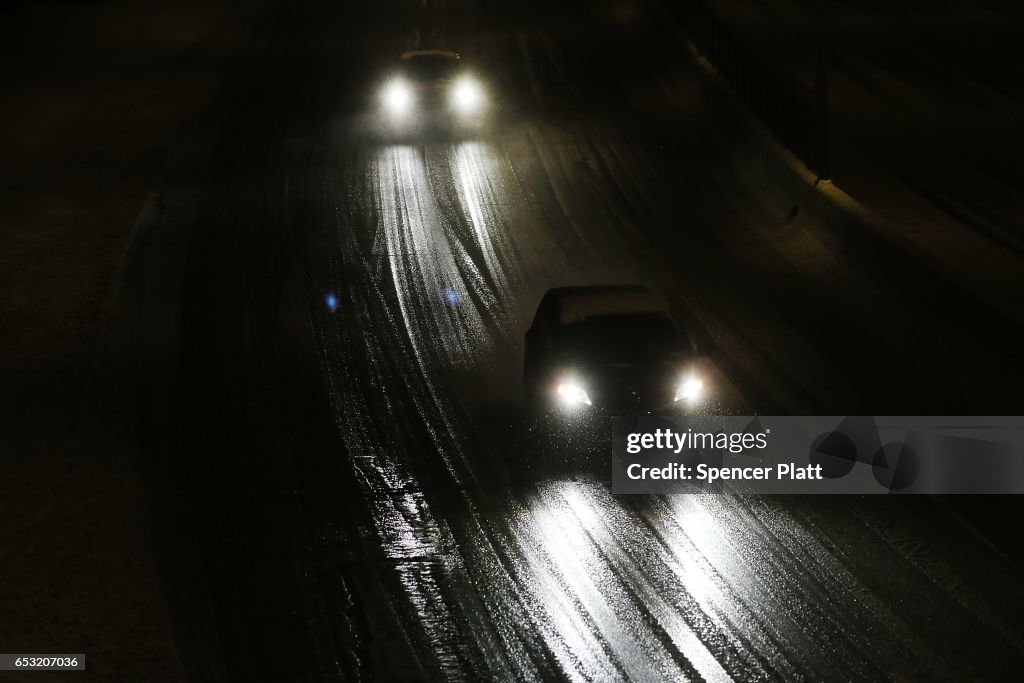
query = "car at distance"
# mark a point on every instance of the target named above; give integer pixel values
(429, 89)
(614, 350)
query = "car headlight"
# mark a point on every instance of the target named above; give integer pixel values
(572, 394)
(691, 389)
(398, 96)
(467, 95)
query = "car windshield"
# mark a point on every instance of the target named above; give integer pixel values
(430, 67)
(642, 339)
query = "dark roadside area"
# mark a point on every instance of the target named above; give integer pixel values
(98, 98)
(919, 106)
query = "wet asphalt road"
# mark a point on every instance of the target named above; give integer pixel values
(355, 492)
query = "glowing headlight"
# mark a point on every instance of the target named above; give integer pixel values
(690, 390)
(398, 96)
(572, 394)
(467, 95)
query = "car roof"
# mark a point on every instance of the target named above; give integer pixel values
(446, 54)
(579, 303)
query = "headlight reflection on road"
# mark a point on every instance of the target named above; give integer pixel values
(441, 294)
(481, 188)
(704, 555)
(607, 571)
(583, 573)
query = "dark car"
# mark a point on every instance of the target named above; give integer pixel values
(431, 88)
(615, 350)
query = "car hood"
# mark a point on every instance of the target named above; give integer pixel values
(630, 389)
(430, 85)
